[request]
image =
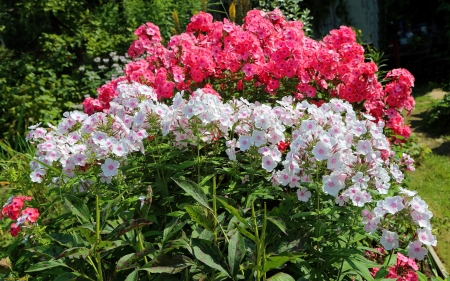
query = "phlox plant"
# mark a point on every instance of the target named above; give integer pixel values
(236, 152)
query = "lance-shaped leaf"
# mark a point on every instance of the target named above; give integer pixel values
(171, 229)
(67, 276)
(233, 211)
(105, 246)
(74, 253)
(279, 260)
(129, 261)
(281, 276)
(77, 207)
(201, 215)
(133, 276)
(48, 251)
(127, 226)
(278, 222)
(208, 253)
(45, 265)
(168, 264)
(236, 252)
(194, 190)
(246, 233)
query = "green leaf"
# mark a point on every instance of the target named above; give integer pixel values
(246, 233)
(194, 190)
(66, 276)
(168, 264)
(236, 252)
(105, 246)
(128, 226)
(63, 239)
(208, 253)
(277, 261)
(233, 211)
(129, 261)
(171, 229)
(48, 251)
(201, 215)
(302, 214)
(281, 276)
(382, 272)
(360, 268)
(133, 276)
(278, 222)
(45, 265)
(74, 253)
(77, 207)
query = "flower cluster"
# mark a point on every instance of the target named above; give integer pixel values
(404, 268)
(295, 141)
(415, 210)
(13, 208)
(267, 53)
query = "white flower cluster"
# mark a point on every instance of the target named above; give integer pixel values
(331, 145)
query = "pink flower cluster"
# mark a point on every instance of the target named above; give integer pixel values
(266, 53)
(13, 208)
(404, 268)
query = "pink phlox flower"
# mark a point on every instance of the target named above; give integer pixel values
(416, 251)
(303, 194)
(389, 240)
(426, 237)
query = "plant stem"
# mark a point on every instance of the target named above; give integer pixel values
(97, 240)
(263, 241)
(258, 250)
(141, 248)
(215, 209)
(198, 163)
(350, 233)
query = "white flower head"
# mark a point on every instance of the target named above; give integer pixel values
(389, 240)
(303, 194)
(426, 237)
(416, 251)
(320, 151)
(110, 167)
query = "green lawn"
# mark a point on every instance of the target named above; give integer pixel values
(432, 180)
(432, 176)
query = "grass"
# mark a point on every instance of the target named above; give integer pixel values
(432, 180)
(432, 177)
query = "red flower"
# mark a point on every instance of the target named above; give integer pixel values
(14, 230)
(32, 214)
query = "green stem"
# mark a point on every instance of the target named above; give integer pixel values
(263, 241)
(215, 209)
(97, 240)
(141, 248)
(198, 163)
(350, 233)
(258, 250)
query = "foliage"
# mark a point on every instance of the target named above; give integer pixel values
(40, 75)
(412, 147)
(250, 184)
(292, 10)
(438, 117)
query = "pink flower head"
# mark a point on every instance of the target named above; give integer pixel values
(110, 167)
(32, 214)
(416, 251)
(389, 240)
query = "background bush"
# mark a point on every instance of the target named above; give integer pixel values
(48, 49)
